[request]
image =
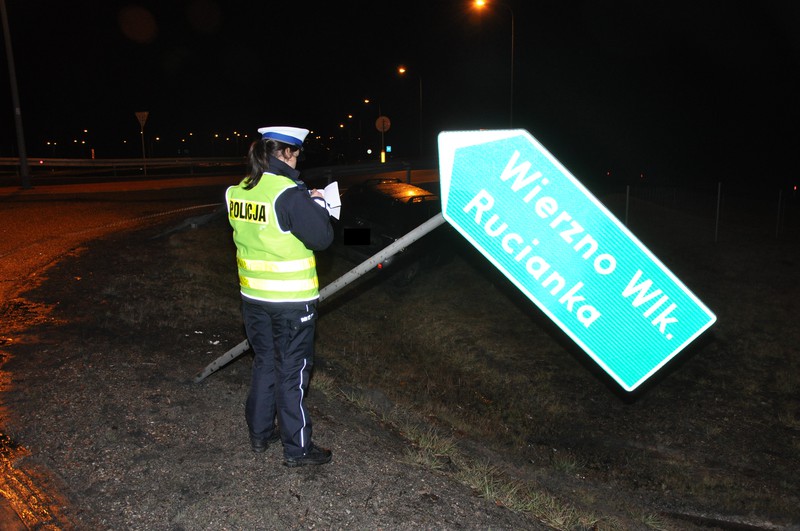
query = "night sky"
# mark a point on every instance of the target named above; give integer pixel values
(681, 90)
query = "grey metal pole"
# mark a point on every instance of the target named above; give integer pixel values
(144, 157)
(719, 199)
(364, 267)
(420, 115)
(12, 76)
(511, 102)
(627, 202)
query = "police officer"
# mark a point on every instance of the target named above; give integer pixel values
(277, 225)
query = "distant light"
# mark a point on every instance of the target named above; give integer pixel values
(388, 149)
(41, 162)
(369, 152)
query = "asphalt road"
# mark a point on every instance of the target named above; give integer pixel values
(39, 226)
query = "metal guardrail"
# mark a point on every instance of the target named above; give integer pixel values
(9, 166)
(52, 170)
(47, 162)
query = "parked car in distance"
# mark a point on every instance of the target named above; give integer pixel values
(377, 212)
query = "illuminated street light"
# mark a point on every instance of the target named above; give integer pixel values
(481, 4)
(402, 70)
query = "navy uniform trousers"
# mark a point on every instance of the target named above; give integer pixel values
(282, 338)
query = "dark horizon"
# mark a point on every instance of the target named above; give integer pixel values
(672, 91)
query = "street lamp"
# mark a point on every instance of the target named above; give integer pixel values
(382, 131)
(480, 4)
(402, 70)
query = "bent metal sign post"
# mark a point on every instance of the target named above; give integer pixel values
(525, 212)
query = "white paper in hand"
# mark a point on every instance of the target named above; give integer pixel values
(332, 200)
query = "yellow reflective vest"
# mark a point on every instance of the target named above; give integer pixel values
(274, 266)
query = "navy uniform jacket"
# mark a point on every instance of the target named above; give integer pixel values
(297, 213)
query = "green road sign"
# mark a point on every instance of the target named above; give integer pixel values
(525, 212)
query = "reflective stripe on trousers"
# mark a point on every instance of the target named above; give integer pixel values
(283, 343)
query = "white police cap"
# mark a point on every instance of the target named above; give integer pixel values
(294, 136)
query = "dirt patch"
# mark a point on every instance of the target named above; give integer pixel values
(102, 395)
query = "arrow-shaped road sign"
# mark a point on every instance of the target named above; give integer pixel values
(525, 212)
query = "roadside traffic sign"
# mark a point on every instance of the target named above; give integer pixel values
(142, 117)
(383, 124)
(529, 216)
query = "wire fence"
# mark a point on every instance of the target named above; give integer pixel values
(716, 212)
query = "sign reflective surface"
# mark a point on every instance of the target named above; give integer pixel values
(530, 217)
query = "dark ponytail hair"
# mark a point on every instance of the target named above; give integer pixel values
(258, 159)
